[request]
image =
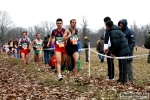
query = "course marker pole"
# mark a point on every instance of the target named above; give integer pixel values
(89, 61)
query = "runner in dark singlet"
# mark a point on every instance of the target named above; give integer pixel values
(71, 35)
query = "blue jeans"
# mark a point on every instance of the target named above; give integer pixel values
(46, 56)
(101, 57)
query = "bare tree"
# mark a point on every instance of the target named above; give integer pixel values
(31, 33)
(5, 25)
(84, 31)
(47, 26)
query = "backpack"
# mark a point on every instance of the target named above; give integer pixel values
(52, 62)
(147, 41)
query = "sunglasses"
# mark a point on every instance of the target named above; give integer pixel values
(59, 23)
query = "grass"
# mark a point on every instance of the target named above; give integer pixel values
(97, 88)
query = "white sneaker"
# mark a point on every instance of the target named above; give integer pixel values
(110, 79)
(60, 78)
(39, 69)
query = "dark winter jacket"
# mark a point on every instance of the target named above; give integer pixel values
(129, 35)
(86, 43)
(100, 46)
(119, 45)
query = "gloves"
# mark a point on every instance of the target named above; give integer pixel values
(34, 48)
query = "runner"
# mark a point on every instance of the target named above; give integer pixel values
(59, 46)
(11, 45)
(71, 35)
(6, 49)
(16, 48)
(37, 45)
(25, 45)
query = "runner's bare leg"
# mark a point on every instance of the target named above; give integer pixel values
(76, 56)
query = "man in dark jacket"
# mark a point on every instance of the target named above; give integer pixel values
(107, 44)
(131, 42)
(100, 48)
(86, 42)
(119, 47)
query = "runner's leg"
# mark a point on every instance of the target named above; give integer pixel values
(58, 64)
(63, 59)
(76, 57)
(35, 58)
(27, 58)
(23, 60)
(68, 60)
(39, 59)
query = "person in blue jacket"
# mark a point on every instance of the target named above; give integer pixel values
(79, 46)
(131, 42)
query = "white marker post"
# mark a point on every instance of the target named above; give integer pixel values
(89, 60)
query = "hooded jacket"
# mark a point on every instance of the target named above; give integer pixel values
(119, 45)
(129, 35)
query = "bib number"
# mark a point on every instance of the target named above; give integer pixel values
(74, 39)
(11, 44)
(59, 42)
(24, 45)
(38, 47)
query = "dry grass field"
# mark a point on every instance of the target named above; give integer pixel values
(43, 85)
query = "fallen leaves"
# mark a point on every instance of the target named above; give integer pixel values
(15, 85)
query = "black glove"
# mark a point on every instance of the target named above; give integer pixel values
(34, 48)
(20, 47)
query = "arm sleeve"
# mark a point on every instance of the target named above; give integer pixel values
(131, 40)
(106, 40)
(52, 34)
(98, 46)
(29, 40)
(19, 42)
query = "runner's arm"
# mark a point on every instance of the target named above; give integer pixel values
(66, 36)
(49, 40)
(30, 44)
(19, 43)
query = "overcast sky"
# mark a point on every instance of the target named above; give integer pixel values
(26, 13)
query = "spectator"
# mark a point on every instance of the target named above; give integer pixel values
(86, 42)
(100, 48)
(46, 50)
(131, 42)
(119, 47)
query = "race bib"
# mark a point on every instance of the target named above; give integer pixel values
(74, 39)
(38, 47)
(24, 45)
(11, 44)
(59, 42)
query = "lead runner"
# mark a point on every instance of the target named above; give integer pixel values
(59, 46)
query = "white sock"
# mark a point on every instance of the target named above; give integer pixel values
(59, 75)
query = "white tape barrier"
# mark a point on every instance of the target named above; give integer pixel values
(126, 57)
(54, 48)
